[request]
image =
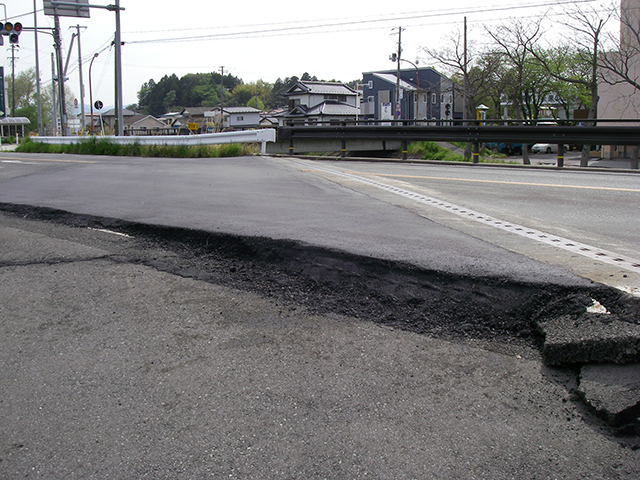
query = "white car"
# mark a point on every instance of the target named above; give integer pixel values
(547, 148)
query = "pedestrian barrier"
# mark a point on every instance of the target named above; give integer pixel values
(247, 136)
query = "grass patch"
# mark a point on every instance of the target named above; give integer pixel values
(433, 151)
(100, 146)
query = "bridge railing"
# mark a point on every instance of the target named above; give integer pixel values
(571, 132)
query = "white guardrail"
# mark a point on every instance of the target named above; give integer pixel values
(247, 136)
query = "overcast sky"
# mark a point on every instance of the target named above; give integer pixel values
(253, 39)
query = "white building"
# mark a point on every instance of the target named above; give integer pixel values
(236, 118)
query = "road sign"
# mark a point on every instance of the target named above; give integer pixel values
(193, 126)
(98, 105)
(398, 110)
(67, 8)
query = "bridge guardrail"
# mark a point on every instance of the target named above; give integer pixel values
(248, 136)
(475, 134)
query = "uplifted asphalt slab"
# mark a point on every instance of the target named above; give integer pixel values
(114, 369)
(261, 197)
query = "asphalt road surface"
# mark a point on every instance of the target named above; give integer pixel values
(130, 353)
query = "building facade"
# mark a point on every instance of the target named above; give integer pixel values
(620, 99)
(311, 103)
(420, 94)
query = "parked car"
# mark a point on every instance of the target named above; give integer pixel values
(547, 148)
(507, 148)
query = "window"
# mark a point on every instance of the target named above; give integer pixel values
(239, 118)
(434, 98)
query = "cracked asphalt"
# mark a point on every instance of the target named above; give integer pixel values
(117, 365)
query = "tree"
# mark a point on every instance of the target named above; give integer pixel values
(514, 41)
(621, 65)
(253, 94)
(480, 69)
(577, 62)
(27, 101)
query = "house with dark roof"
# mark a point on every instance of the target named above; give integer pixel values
(311, 102)
(416, 94)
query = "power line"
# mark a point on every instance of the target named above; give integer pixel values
(303, 29)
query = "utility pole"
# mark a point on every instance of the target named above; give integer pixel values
(82, 121)
(465, 80)
(13, 80)
(221, 98)
(396, 112)
(54, 116)
(61, 100)
(118, 73)
(35, 33)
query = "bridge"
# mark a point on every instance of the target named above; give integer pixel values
(370, 137)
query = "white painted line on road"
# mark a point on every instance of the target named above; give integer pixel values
(583, 249)
(104, 230)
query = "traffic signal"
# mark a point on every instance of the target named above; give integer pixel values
(12, 30)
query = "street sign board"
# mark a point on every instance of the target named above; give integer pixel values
(67, 8)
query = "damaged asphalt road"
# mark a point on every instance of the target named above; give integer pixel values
(131, 350)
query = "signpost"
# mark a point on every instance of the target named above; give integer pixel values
(69, 8)
(80, 8)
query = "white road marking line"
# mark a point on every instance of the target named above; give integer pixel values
(104, 230)
(612, 258)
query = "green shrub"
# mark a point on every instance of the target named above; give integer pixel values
(433, 151)
(100, 146)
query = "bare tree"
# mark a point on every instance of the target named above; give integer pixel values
(586, 27)
(516, 41)
(480, 71)
(621, 65)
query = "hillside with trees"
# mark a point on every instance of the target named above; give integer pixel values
(171, 93)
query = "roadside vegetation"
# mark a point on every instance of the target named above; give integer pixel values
(98, 146)
(433, 151)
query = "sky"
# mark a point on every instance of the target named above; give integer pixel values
(252, 40)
